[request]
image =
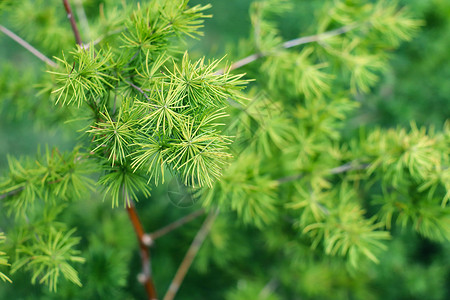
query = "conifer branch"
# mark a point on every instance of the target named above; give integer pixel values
(144, 241)
(27, 46)
(190, 255)
(172, 226)
(75, 30)
(20, 189)
(290, 44)
(137, 89)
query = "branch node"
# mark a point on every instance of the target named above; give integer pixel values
(147, 240)
(73, 24)
(142, 278)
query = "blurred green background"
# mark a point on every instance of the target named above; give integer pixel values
(416, 87)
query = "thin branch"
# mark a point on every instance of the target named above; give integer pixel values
(75, 30)
(12, 193)
(341, 169)
(27, 46)
(319, 37)
(133, 57)
(172, 226)
(146, 276)
(290, 44)
(348, 167)
(190, 255)
(243, 62)
(137, 89)
(290, 178)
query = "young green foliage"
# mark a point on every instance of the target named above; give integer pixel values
(345, 231)
(244, 190)
(36, 192)
(52, 177)
(50, 256)
(151, 114)
(120, 182)
(3, 259)
(412, 161)
(86, 79)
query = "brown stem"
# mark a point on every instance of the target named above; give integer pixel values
(75, 30)
(190, 255)
(27, 46)
(146, 276)
(290, 44)
(172, 226)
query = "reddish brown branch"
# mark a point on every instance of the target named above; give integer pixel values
(172, 226)
(190, 255)
(146, 276)
(75, 30)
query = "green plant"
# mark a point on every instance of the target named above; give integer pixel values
(276, 155)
